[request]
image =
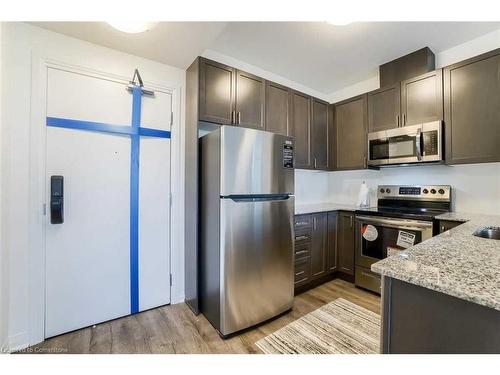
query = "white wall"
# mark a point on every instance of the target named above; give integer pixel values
(4, 310)
(476, 186)
(22, 42)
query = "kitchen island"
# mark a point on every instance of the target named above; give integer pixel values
(443, 295)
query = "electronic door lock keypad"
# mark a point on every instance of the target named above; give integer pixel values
(56, 199)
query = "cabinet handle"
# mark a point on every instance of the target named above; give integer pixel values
(315, 162)
(404, 119)
(443, 229)
(345, 268)
(351, 220)
(301, 252)
(233, 117)
(314, 223)
(239, 118)
(301, 238)
(397, 118)
(364, 161)
(300, 273)
(301, 223)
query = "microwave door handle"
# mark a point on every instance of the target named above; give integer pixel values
(418, 144)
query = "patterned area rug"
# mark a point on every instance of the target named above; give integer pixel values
(341, 327)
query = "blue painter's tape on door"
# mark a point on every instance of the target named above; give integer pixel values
(135, 132)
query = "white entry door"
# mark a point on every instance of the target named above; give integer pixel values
(90, 264)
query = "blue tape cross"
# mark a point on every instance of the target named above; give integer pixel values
(135, 132)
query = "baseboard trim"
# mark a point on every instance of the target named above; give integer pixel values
(18, 341)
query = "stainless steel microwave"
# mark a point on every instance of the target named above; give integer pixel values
(422, 143)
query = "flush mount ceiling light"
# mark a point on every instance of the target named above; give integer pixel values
(132, 27)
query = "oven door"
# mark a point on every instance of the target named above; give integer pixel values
(377, 237)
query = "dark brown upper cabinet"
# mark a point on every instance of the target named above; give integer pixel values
(319, 240)
(345, 243)
(472, 110)
(277, 108)
(231, 97)
(320, 134)
(383, 108)
(216, 92)
(250, 101)
(332, 140)
(422, 98)
(331, 259)
(350, 133)
(301, 129)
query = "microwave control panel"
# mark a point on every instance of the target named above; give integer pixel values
(430, 146)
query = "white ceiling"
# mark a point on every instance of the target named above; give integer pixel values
(318, 55)
(173, 43)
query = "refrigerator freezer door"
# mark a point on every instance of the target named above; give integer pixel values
(255, 162)
(256, 261)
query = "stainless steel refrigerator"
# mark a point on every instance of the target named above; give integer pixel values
(246, 227)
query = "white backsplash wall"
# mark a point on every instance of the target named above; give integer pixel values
(475, 187)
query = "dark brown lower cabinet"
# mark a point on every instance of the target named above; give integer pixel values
(345, 243)
(331, 257)
(319, 240)
(315, 248)
(445, 225)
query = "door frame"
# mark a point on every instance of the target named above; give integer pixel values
(37, 186)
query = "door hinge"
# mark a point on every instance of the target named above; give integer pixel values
(171, 118)
(44, 209)
(170, 279)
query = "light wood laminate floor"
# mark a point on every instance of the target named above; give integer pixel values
(175, 329)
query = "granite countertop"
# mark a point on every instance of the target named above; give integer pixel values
(455, 262)
(310, 208)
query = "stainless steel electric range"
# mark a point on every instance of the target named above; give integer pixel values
(404, 216)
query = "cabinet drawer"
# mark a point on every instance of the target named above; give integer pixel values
(302, 271)
(367, 279)
(302, 238)
(303, 222)
(302, 250)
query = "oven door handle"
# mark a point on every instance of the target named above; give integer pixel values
(397, 223)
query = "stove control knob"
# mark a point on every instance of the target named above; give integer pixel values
(425, 191)
(441, 191)
(387, 191)
(433, 191)
(382, 191)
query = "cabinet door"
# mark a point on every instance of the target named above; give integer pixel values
(383, 108)
(250, 100)
(332, 138)
(445, 225)
(216, 92)
(422, 98)
(319, 244)
(320, 134)
(277, 108)
(345, 243)
(350, 133)
(301, 129)
(331, 259)
(472, 110)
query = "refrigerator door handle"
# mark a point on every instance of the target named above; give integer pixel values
(257, 198)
